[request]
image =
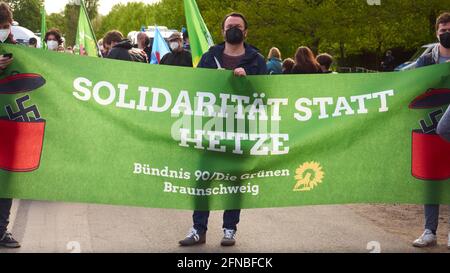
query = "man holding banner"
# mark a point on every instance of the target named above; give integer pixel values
(439, 55)
(244, 60)
(6, 239)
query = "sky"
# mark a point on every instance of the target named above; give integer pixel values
(52, 6)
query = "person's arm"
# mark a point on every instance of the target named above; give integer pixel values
(443, 128)
(420, 62)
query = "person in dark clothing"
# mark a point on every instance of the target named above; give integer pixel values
(122, 49)
(244, 60)
(387, 64)
(305, 62)
(6, 20)
(144, 44)
(179, 56)
(186, 42)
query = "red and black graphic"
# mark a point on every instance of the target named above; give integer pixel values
(21, 83)
(430, 152)
(22, 131)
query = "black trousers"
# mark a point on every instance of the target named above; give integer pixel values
(230, 220)
(5, 208)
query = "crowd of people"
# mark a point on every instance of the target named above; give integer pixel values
(243, 59)
(114, 45)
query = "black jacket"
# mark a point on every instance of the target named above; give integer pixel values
(148, 51)
(182, 58)
(253, 62)
(122, 51)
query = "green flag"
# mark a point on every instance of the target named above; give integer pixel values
(43, 27)
(199, 37)
(102, 131)
(86, 41)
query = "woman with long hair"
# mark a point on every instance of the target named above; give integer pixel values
(305, 62)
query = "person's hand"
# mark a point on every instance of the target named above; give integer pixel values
(240, 72)
(5, 62)
(140, 52)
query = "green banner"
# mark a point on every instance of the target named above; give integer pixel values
(86, 43)
(88, 130)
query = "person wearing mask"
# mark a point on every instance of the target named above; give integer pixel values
(325, 61)
(144, 44)
(243, 59)
(179, 56)
(186, 42)
(6, 20)
(32, 42)
(274, 64)
(119, 48)
(53, 40)
(305, 62)
(439, 55)
(287, 66)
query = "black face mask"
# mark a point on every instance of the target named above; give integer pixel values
(445, 40)
(234, 36)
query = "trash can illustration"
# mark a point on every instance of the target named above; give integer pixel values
(22, 130)
(430, 152)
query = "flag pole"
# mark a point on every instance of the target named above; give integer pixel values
(91, 28)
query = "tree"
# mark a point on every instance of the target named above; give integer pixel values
(127, 18)
(347, 29)
(56, 20)
(27, 13)
(92, 8)
(71, 14)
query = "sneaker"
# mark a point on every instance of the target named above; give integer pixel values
(193, 238)
(8, 241)
(426, 240)
(229, 238)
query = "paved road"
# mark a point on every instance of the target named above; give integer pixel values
(62, 227)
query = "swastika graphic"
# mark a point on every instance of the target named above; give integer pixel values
(434, 122)
(22, 114)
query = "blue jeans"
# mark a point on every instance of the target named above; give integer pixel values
(5, 208)
(230, 220)
(432, 217)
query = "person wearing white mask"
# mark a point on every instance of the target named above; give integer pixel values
(53, 40)
(179, 56)
(6, 19)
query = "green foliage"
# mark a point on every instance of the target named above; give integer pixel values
(340, 27)
(27, 13)
(67, 21)
(56, 20)
(126, 18)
